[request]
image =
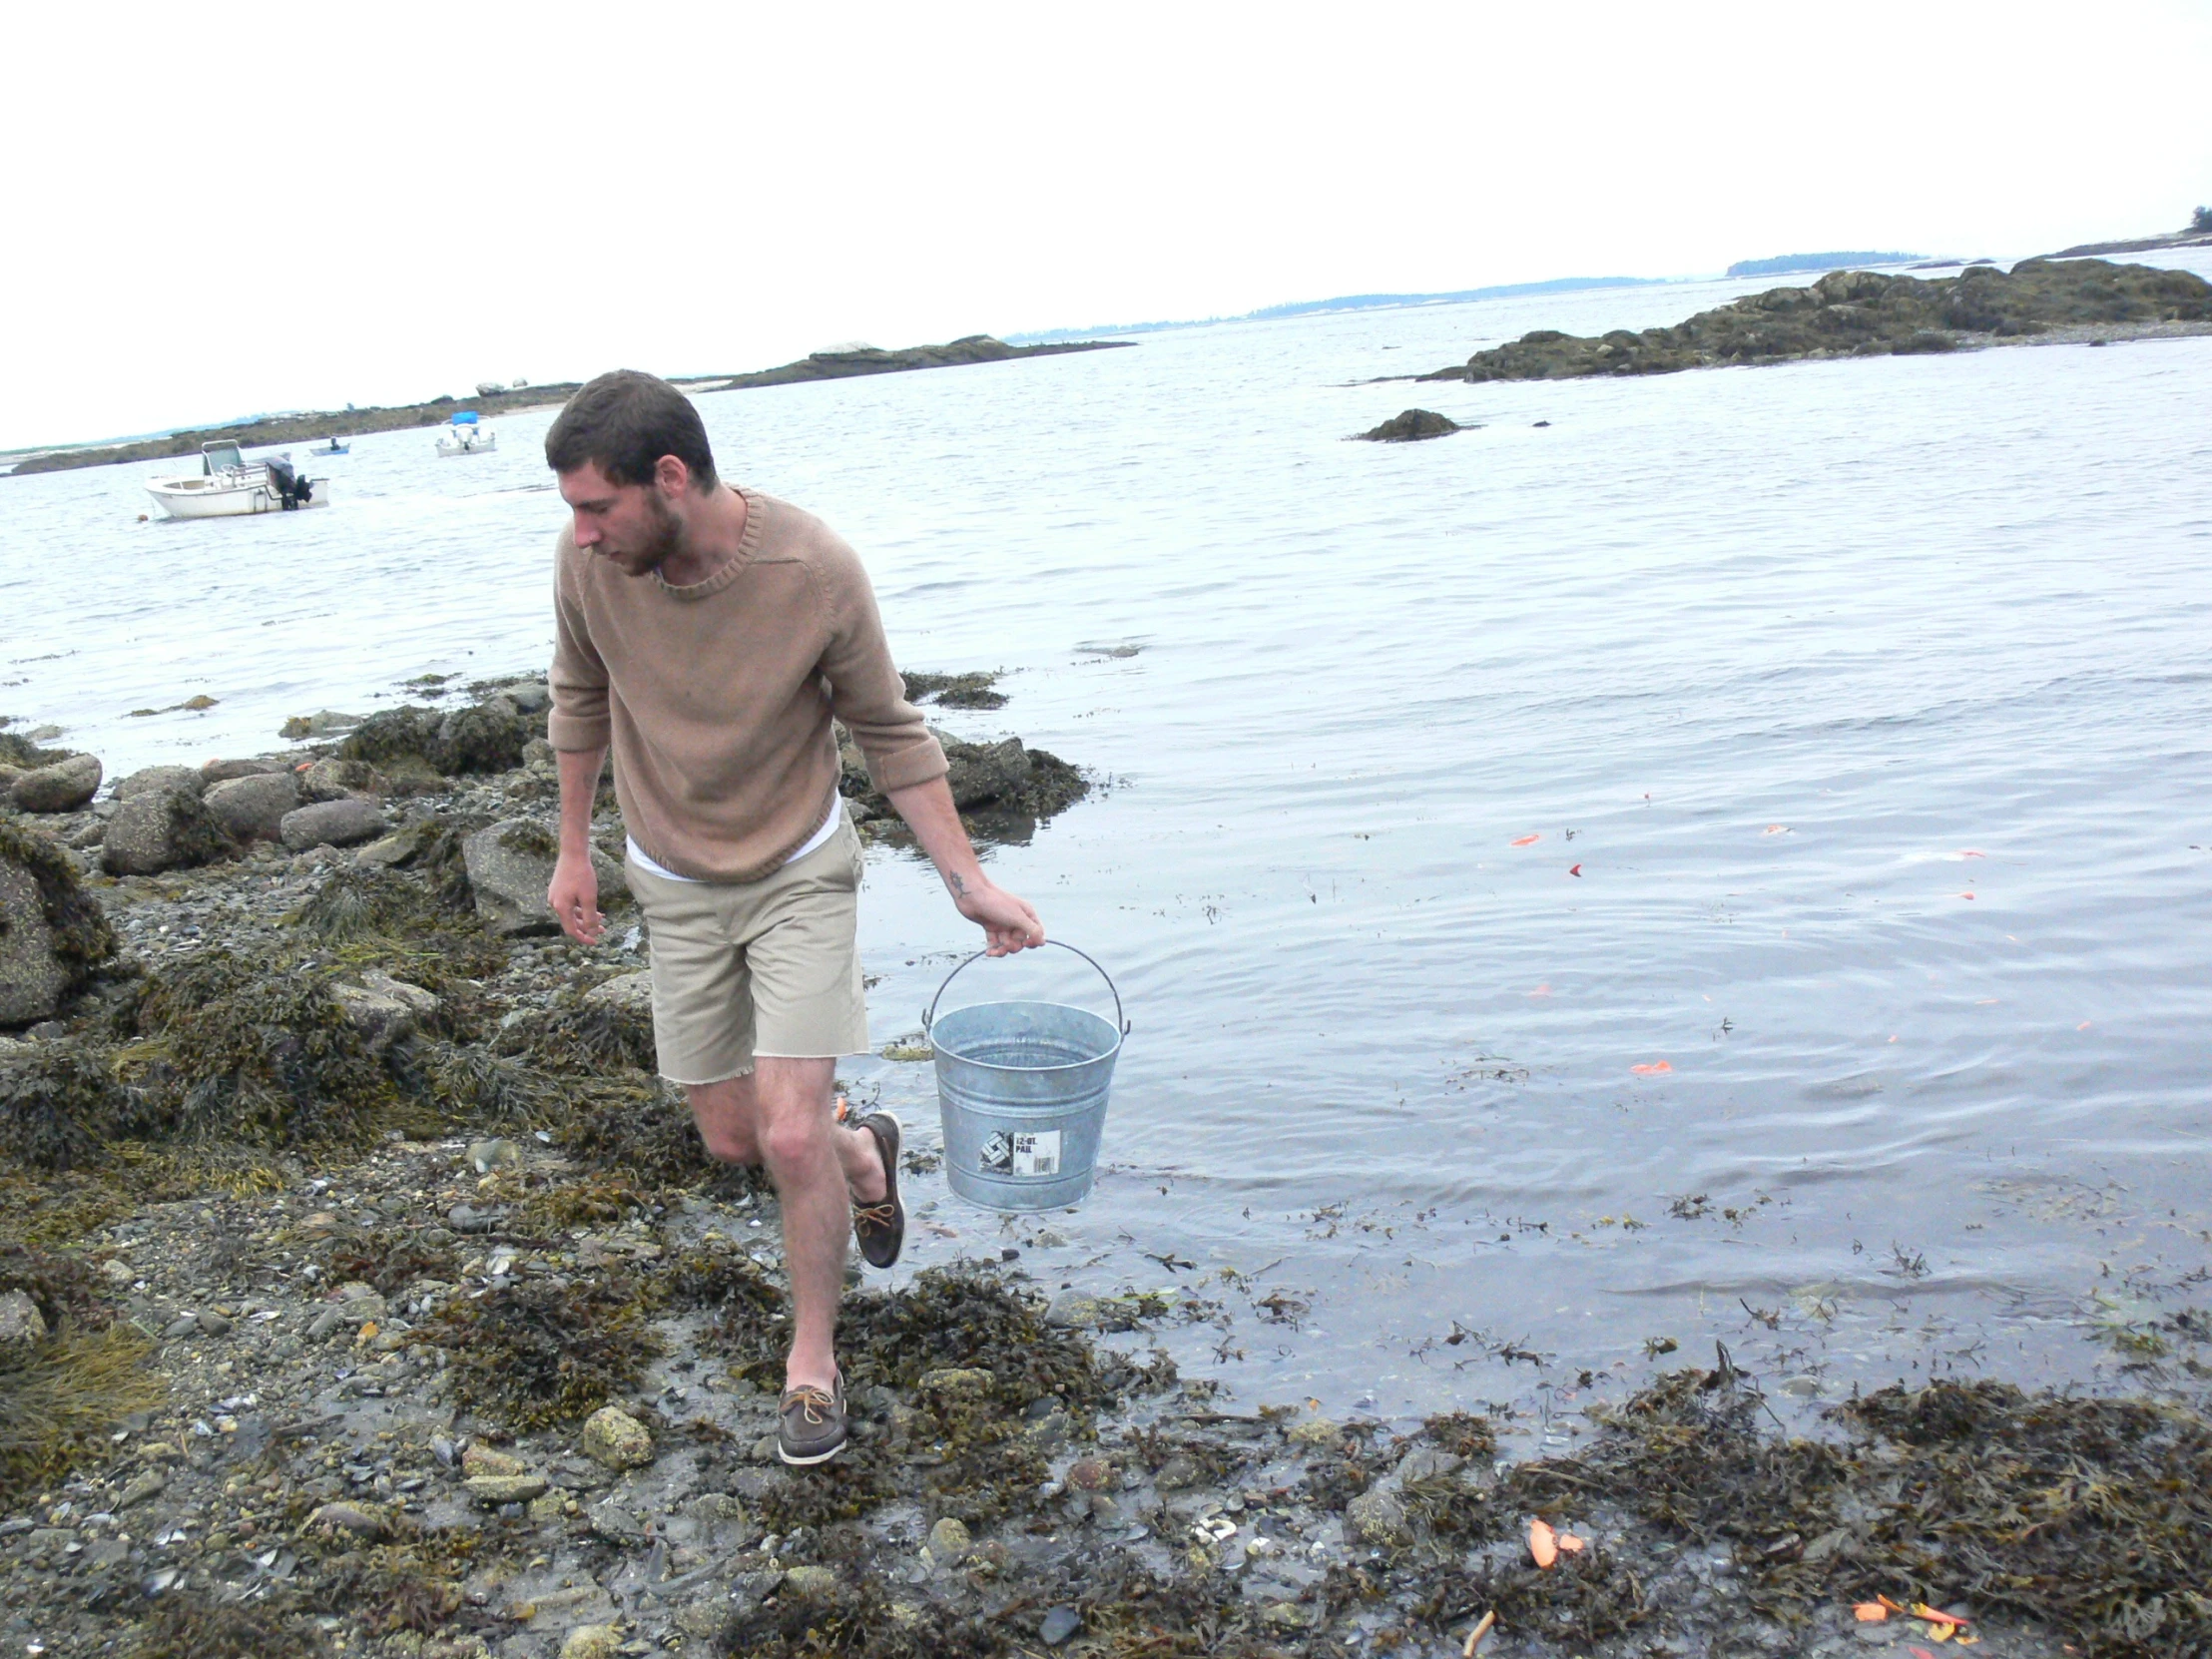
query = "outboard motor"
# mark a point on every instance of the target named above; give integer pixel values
(292, 489)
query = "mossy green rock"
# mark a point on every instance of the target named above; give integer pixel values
(163, 829)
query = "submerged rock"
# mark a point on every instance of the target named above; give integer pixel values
(61, 788)
(1412, 426)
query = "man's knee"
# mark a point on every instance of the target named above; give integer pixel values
(790, 1139)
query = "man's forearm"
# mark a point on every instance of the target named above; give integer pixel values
(579, 794)
(929, 812)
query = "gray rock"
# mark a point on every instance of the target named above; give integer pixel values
(982, 773)
(423, 1003)
(146, 780)
(948, 1542)
(592, 1641)
(1075, 1310)
(810, 1580)
(143, 1487)
(1058, 1625)
(22, 1325)
(32, 979)
(212, 1323)
(61, 788)
(1423, 1461)
(253, 809)
(324, 1323)
(350, 1518)
(332, 823)
(630, 994)
(510, 864)
(617, 1439)
(381, 1020)
(336, 780)
(532, 697)
(163, 829)
(222, 772)
(495, 1489)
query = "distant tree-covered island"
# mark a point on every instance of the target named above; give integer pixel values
(1784, 265)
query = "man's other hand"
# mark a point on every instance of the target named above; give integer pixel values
(574, 897)
(1009, 924)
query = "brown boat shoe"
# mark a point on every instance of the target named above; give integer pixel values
(881, 1227)
(810, 1425)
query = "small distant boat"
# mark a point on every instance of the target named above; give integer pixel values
(332, 447)
(466, 435)
(228, 485)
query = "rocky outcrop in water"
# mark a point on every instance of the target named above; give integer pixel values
(1866, 314)
(1410, 427)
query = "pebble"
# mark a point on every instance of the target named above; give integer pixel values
(350, 1518)
(810, 1581)
(1315, 1431)
(482, 1459)
(490, 1155)
(592, 1641)
(506, 1488)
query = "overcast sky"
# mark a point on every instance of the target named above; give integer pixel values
(211, 213)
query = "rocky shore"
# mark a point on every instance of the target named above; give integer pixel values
(364, 1292)
(314, 426)
(1863, 313)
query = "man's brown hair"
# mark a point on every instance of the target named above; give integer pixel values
(623, 422)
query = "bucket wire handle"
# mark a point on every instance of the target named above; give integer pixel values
(930, 1014)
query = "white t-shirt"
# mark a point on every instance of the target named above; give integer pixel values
(815, 841)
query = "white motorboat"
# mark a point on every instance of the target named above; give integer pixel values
(466, 435)
(227, 485)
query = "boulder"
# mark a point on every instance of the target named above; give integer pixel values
(222, 771)
(532, 697)
(22, 1325)
(252, 807)
(486, 738)
(146, 780)
(52, 934)
(61, 788)
(336, 780)
(510, 864)
(167, 830)
(33, 979)
(332, 822)
(629, 994)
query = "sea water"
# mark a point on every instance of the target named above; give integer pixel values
(1720, 857)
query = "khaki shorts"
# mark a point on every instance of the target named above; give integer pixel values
(759, 967)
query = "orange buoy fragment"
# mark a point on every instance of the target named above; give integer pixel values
(1651, 1070)
(1528, 840)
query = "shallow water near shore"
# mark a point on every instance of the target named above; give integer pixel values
(1785, 661)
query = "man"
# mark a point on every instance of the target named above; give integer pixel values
(709, 634)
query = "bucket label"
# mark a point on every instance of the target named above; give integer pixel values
(1031, 1154)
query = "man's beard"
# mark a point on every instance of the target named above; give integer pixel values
(666, 541)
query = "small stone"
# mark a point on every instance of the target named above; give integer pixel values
(487, 1156)
(117, 1271)
(184, 1327)
(350, 1518)
(1316, 1431)
(380, 1020)
(495, 1489)
(1377, 1516)
(1075, 1310)
(810, 1581)
(547, 1507)
(1178, 1473)
(324, 1323)
(613, 1437)
(592, 1641)
(141, 1487)
(1093, 1474)
(482, 1459)
(22, 1325)
(1058, 1625)
(212, 1323)
(626, 993)
(948, 1542)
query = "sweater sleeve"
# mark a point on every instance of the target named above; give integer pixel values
(579, 679)
(865, 691)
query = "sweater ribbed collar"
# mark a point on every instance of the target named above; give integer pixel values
(748, 547)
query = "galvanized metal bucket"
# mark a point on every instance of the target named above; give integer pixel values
(1021, 1089)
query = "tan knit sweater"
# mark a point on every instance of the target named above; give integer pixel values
(717, 696)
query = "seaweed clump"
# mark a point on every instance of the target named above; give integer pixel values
(61, 1394)
(973, 690)
(533, 1352)
(183, 1626)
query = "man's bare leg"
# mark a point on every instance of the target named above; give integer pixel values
(723, 1112)
(820, 1169)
